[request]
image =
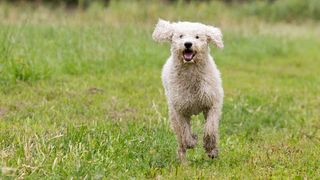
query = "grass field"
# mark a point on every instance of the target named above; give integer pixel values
(81, 95)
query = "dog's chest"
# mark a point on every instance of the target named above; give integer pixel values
(192, 90)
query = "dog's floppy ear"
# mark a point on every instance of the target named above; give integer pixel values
(163, 31)
(214, 35)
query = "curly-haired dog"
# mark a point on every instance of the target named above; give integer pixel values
(192, 81)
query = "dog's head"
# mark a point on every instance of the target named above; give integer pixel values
(189, 41)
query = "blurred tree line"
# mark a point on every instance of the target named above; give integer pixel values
(68, 3)
(86, 3)
(274, 10)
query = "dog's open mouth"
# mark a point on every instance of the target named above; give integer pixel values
(188, 54)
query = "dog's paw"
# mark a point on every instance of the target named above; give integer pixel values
(192, 142)
(213, 153)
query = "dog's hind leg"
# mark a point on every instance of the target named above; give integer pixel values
(211, 135)
(182, 129)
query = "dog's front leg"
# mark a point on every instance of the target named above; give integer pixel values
(211, 135)
(182, 129)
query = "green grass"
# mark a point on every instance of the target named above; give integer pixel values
(82, 97)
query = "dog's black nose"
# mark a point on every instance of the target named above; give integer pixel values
(188, 44)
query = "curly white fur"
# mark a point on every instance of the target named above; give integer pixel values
(192, 81)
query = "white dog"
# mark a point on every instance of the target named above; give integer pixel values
(192, 81)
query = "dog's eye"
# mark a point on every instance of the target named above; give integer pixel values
(197, 37)
(181, 36)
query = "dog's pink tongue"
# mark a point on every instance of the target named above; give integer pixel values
(188, 56)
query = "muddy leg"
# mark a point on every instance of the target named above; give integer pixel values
(182, 129)
(211, 135)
